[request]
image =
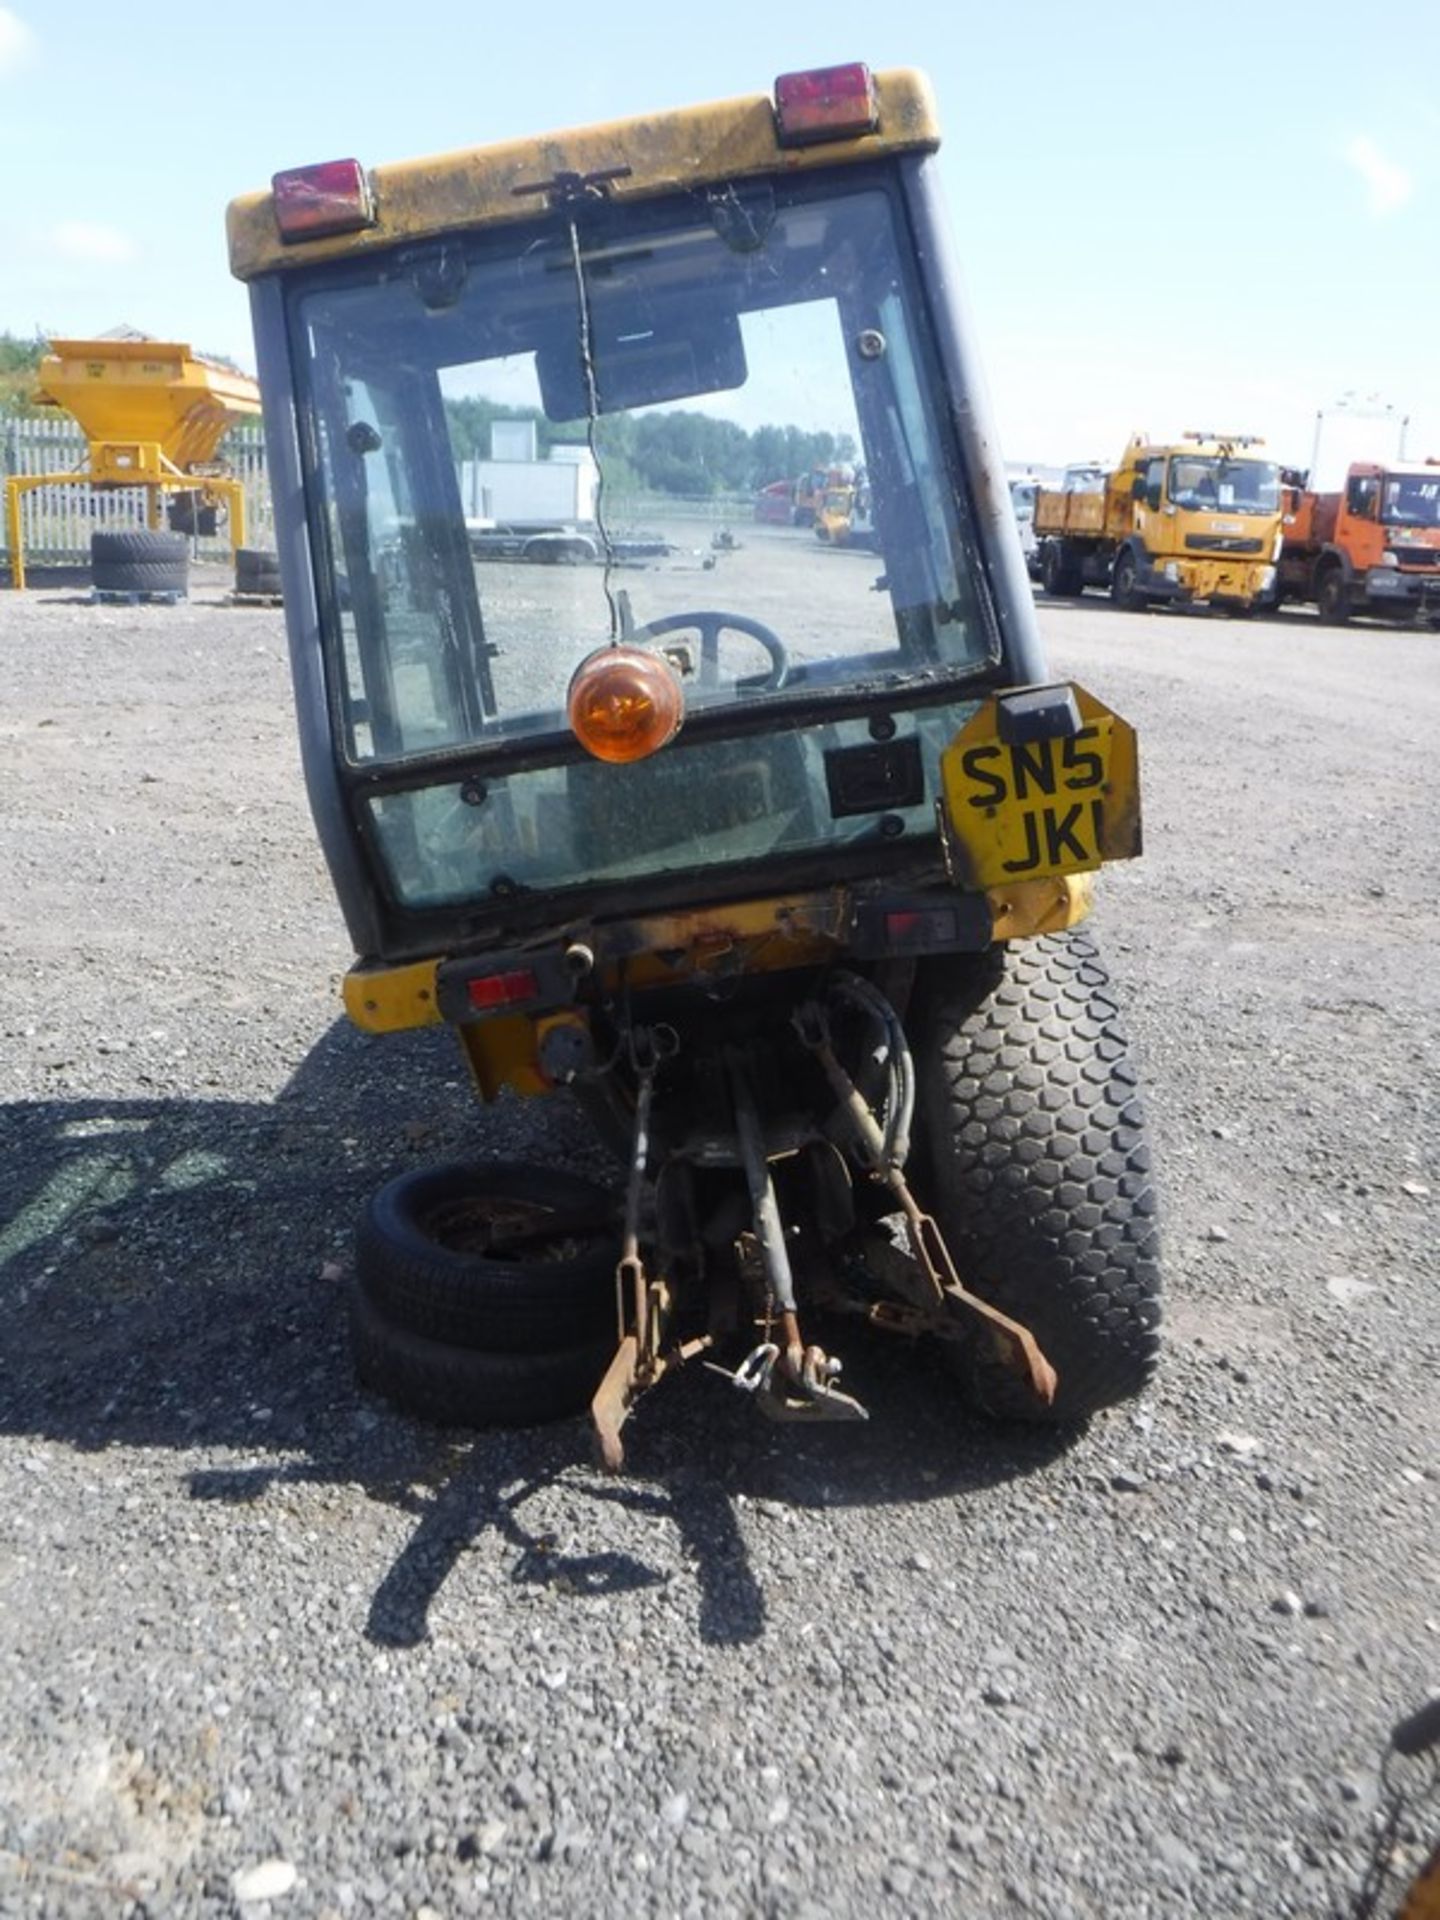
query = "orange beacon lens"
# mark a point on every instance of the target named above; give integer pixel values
(625, 703)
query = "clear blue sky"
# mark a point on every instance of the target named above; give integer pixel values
(1216, 215)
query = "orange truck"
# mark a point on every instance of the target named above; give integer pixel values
(1373, 547)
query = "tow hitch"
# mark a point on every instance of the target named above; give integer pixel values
(786, 1376)
(645, 1303)
(782, 1394)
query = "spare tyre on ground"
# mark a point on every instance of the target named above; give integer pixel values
(257, 573)
(485, 1293)
(140, 562)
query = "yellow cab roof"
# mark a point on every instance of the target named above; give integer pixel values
(663, 152)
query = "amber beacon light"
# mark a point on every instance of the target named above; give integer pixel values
(625, 704)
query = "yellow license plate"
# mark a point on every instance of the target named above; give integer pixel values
(1040, 782)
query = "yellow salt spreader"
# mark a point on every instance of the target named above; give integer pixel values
(154, 413)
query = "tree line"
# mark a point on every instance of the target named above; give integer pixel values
(691, 455)
(19, 364)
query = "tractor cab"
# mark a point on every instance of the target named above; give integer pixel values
(619, 792)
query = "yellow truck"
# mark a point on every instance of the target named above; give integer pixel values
(844, 517)
(1198, 520)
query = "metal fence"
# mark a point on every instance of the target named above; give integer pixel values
(57, 522)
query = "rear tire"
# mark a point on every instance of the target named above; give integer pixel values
(1332, 597)
(1033, 1139)
(1061, 574)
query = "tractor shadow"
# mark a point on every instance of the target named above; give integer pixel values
(174, 1277)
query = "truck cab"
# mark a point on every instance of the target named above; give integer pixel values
(1206, 516)
(811, 488)
(1373, 546)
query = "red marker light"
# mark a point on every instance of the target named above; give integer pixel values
(923, 929)
(828, 103)
(311, 202)
(494, 990)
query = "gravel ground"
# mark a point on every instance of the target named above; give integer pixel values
(267, 1648)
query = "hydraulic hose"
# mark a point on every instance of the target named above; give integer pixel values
(898, 1061)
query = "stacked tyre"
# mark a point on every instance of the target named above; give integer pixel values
(257, 573)
(485, 1294)
(140, 563)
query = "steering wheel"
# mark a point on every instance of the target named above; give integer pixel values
(710, 626)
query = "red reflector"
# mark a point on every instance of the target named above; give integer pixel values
(828, 103)
(502, 989)
(313, 201)
(910, 927)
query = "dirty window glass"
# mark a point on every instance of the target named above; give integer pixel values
(706, 425)
(712, 803)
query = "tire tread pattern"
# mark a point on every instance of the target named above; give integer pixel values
(139, 560)
(144, 546)
(1041, 1171)
(140, 576)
